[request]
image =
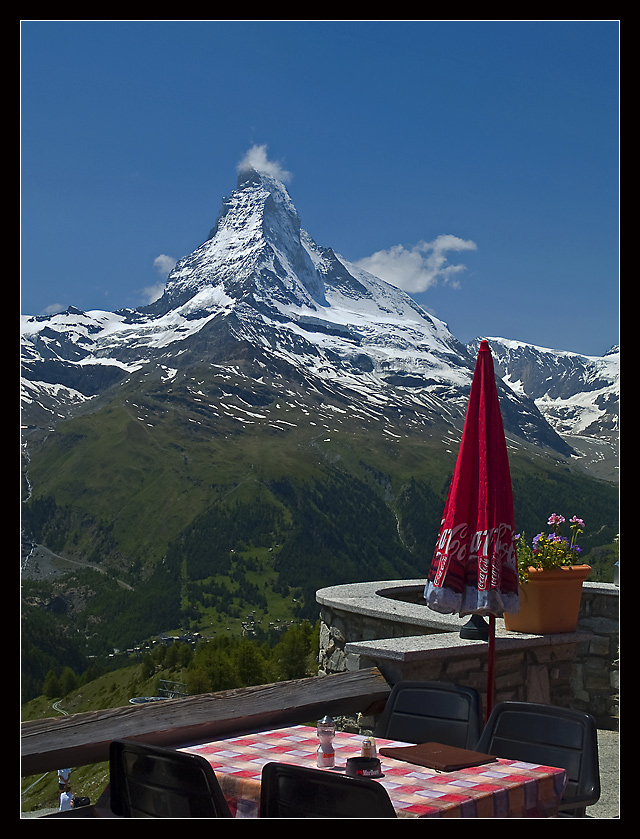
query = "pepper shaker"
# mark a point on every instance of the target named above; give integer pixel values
(368, 747)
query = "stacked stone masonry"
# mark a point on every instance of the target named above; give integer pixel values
(385, 625)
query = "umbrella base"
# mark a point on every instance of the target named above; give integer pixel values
(476, 629)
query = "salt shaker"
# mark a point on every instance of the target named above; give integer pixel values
(326, 757)
(368, 748)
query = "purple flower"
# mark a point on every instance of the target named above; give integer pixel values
(550, 550)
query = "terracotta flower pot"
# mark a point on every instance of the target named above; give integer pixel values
(550, 601)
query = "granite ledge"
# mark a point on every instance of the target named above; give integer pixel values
(419, 647)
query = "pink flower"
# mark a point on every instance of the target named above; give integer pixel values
(555, 520)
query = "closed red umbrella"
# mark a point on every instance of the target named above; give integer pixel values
(474, 567)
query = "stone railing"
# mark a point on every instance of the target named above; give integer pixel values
(386, 625)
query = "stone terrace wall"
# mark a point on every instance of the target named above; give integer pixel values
(360, 627)
(596, 685)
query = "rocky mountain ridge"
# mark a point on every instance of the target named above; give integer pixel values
(260, 289)
(578, 395)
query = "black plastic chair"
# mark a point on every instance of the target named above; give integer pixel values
(157, 783)
(426, 712)
(300, 792)
(550, 736)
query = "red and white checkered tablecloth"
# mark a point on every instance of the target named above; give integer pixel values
(503, 789)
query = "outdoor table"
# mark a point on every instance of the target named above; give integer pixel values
(500, 789)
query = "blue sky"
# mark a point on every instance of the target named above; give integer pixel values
(478, 161)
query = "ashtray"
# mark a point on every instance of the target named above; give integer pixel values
(366, 767)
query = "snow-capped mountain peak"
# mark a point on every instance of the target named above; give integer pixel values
(254, 252)
(578, 395)
(261, 263)
(260, 282)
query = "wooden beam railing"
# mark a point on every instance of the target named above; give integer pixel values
(80, 739)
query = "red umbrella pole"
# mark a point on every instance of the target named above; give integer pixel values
(491, 663)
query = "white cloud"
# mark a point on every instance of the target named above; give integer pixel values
(418, 268)
(256, 158)
(164, 264)
(152, 292)
(53, 309)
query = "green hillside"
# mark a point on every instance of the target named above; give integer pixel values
(179, 517)
(219, 664)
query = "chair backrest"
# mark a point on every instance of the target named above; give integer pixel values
(300, 792)
(157, 783)
(424, 712)
(551, 736)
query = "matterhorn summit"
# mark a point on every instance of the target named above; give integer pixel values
(259, 262)
(261, 297)
(254, 253)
